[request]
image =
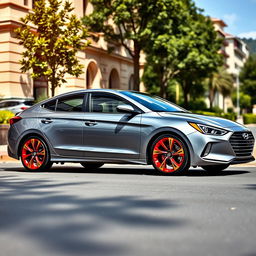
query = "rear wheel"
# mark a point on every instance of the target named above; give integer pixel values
(91, 166)
(35, 154)
(215, 169)
(170, 155)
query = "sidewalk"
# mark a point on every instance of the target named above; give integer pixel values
(4, 155)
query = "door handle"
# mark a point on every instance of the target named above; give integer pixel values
(90, 123)
(46, 121)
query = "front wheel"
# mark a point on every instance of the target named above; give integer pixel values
(215, 169)
(35, 155)
(170, 155)
(91, 166)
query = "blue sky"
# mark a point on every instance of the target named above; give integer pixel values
(239, 15)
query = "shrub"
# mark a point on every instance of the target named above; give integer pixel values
(231, 110)
(41, 98)
(249, 118)
(5, 116)
(197, 104)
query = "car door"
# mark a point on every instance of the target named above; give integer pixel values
(62, 122)
(109, 133)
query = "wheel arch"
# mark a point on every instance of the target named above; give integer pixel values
(172, 131)
(28, 134)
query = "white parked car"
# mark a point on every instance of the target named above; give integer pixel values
(15, 105)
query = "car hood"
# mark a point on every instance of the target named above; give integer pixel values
(203, 119)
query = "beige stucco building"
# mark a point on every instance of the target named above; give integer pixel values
(101, 69)
(235, 53)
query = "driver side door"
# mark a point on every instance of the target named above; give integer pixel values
(109, 133)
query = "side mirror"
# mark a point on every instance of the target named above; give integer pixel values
(126, 109)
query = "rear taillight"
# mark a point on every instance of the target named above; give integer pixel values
(15, 120)
(23, 108)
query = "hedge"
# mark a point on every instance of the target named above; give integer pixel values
(230, 116)
(249, 118)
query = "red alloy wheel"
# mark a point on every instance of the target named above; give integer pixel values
(33, 154)
(168, 154)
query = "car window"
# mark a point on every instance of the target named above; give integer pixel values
(29, 103)
(154, 103)
(2, 104)
(105, 103)
(71, 103)
(51, 105)
(11, 104)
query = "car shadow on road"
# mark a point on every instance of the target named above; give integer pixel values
(49, 213)
(148, 170)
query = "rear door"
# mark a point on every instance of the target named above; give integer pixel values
(108, 133)
(62, 122)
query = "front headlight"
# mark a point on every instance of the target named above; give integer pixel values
(209, 130)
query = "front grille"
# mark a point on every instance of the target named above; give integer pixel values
(242, 144)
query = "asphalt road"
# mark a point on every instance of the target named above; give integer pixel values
(126, 210)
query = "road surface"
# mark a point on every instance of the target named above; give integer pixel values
(126, 210)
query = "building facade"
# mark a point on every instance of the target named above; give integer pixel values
(101, 69)
(235, 53)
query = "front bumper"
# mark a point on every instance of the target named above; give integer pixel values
(242, 160)
(212, 150)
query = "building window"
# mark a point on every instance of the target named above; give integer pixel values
(131, 82)
(91, 73)
(25, 2)
(114, 79)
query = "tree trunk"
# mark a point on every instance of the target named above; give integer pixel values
(211, 97)
(163, 93)
(53, 86)
(185, 87)
(53, 81)
(136, 68)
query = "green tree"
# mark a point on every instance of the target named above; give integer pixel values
(219, 81)
(51, 36)
(244, 100)
(125, 22)
(248, 78)
(184, 48)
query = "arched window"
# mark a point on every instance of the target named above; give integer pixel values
(91, 74)
(131, 82)
(114, 81)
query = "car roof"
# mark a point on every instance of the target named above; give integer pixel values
(114, 91)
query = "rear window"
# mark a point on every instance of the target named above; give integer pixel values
(11, 103)
(29, 102)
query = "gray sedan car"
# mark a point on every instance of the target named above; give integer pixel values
(93, 127)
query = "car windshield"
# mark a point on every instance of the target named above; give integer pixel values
(154, 103)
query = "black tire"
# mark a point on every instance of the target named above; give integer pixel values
(169, 155)
(215, 169)
(35, 155)
(91, 166)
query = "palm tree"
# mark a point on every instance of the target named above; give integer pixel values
(220, 81)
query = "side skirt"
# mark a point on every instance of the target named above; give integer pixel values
(99, 160)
